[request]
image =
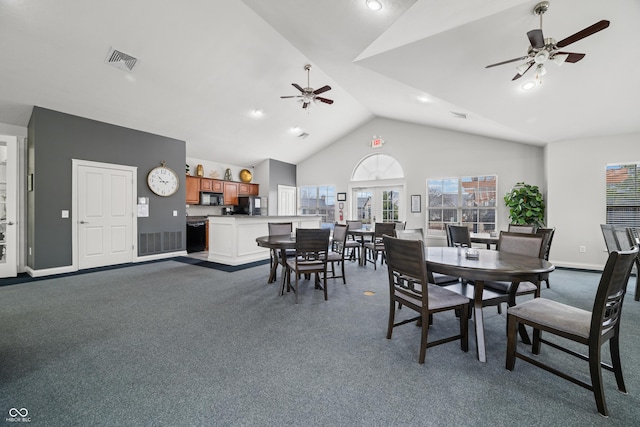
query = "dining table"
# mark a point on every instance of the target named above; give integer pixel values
(484, 238)
(490, 265)
(280, 243)
(361, 234)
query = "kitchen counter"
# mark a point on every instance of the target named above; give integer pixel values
(232, 238)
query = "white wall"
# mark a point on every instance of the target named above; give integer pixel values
(425, 152)
(576, 198)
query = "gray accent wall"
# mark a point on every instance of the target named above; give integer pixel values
(280, 173)
(54, 139)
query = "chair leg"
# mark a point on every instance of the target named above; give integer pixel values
(595, 372)
(344, 278)
(296, 290)
(614, 348)
(512, 327)
(423, 340)
(464, 328)
(325, 284)
(392, 314)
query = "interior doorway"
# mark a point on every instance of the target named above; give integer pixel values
(105, 226)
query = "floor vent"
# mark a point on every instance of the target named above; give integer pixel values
(121, 60)
(154, 243)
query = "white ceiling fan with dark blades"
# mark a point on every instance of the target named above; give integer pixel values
(543, 49)
(308, 94)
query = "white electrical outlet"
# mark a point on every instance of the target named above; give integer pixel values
(583, 249)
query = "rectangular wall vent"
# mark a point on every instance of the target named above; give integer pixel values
(121, 60)
(154, 243)
(303, 135)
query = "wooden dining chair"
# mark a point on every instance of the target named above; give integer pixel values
(547, 234)
(409, 286)
(522, 244)
(376, 246)
(591, 328)
(338, 251)
(312, 246)
(277, 229)
(618, 237)
(521, 228)
(417, 234)
(458, 236)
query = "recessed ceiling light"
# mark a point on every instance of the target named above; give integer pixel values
(374, 4)
(295, 129)
(257, 113)
(424, 99)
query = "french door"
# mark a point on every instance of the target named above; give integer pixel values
(8, 205)
(377, 204)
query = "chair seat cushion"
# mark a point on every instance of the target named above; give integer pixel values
(523, 287)
(334, 256)
(438, 298)
(553, 314)
(352, 244)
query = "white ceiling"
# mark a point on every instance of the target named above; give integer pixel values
(205, 65)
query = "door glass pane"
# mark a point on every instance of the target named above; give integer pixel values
(3, 202)
(390, 201)
(364, 206)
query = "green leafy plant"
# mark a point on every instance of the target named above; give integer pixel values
(526, 204)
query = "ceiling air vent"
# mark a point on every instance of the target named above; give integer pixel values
(121, 60)
(303, 135)
(458, 115)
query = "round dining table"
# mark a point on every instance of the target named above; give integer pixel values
(280, 244)
(362, 234)
(490, 265)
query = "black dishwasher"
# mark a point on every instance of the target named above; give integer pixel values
(196, 236)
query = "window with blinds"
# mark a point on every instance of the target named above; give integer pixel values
(469, 200)
(623, 194)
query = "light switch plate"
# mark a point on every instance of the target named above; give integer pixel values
(65, 214)
(175, 213)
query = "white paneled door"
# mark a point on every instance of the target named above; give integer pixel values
(8, 205)
(286, 200)
(104, 216)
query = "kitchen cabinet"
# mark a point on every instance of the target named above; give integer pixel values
(217, 186)
(248, 189)
(206, 184)
(230, 193)
(193, 190)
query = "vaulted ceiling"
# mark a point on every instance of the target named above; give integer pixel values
(204, 66)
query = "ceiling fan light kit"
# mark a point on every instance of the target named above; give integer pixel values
(543, 49)
(307, 94)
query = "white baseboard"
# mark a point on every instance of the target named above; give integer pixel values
(160, 256)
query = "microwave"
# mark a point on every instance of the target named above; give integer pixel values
(211, 199)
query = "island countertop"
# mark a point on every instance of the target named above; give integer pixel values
(232, 238)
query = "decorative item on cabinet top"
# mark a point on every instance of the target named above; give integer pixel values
(227, 175)
(199, 171)
(245, 175)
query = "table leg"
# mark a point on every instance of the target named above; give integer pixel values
(274, 267)
(478, 320)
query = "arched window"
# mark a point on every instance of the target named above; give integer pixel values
(377, 166)
(377, 190)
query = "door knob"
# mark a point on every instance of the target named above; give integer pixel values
(10, 223)
(84, 222)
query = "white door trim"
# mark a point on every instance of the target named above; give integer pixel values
(75, 163)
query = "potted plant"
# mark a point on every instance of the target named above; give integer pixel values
(526, 204)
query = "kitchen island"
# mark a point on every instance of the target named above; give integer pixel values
(232, 238)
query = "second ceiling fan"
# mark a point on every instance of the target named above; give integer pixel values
(542, 50)
(307, 94)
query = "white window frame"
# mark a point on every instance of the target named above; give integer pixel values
(622, 183)
(459, 205)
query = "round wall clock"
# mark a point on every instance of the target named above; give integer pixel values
(163, 181)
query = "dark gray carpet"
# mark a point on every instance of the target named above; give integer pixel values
(168, 344)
